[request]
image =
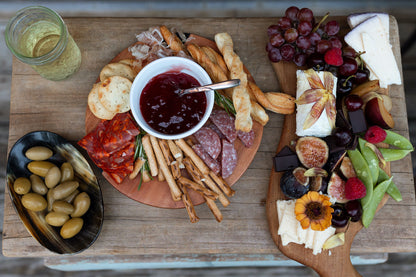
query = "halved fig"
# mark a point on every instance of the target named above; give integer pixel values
(294, 184)
(336, 188)
(312, 151)
(335, 160)
(319, 184)
(347, 169)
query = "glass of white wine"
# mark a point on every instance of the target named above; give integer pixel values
(38, 36)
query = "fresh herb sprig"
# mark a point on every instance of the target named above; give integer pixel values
(224, 102)
(139, 153)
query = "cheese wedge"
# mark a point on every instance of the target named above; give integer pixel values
(358, 18)
(370, 36)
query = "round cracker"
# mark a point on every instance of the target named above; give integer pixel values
(114, 94)
(117, 69)
(95, 105)
(134, 64)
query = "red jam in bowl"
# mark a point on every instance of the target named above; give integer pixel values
(167, 112)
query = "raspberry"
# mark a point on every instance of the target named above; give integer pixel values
(354, 189)
(334, 57)
(375, 134)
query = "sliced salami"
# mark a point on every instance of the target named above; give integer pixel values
(225, 124)
(210, 162)
(246, 137)
(209, 140)
(215, 129)
(228, 159)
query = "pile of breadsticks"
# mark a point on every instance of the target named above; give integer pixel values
(166, 158)
(248, 99)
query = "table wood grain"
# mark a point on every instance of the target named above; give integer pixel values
(132, 229)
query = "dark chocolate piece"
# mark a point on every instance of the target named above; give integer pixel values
(285, 151)
(341, 120)
(357, 120)
(286, 159)
(332, 145)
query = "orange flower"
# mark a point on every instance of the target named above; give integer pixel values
(314, 209)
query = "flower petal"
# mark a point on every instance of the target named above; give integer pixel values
(305, 223)
(313, 79)
(328, 81)
(331, 112)
(316, 226)
(315, 113)
(310, 96)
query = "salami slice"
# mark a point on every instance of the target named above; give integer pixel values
(215, 129)
(210, 162)
(209, 140)
(228, 158)
(225, 124)
(246, 137)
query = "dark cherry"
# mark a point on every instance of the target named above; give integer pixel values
(353, 102)
(343, 136)
(354, 210)
(361, 76)
(316, 61)
(340, 217)
(349, 67)
(333, 70)
(344, 85)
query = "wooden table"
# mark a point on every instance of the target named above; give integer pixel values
(135, 233)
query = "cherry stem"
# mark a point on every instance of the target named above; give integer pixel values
(346, 80)
(361, 59)
(320, 22)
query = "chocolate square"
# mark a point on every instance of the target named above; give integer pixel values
(286, 159)
(357, 120)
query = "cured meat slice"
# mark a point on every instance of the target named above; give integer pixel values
(225, 124)
(228, 158)
(246, 137)
(210, 162)
(209, 140)
(215, 129)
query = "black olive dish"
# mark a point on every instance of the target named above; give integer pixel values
(63, 151)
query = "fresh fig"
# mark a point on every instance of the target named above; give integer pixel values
(294, 184)
(346, 168)
(336, 188)
(319, 184)
(335, 160)
(312, 151)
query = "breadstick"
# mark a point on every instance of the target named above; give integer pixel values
(194, 157)
(166, 151)
(222, 184)
(209, 183)
(160, 176)
(138, 163)
(198, 188)
(214, 209)
(241, 98)
(172, 40)
(175, 150)
(150, 155)
(193, 170)
(176, 171)
(215, 58)
(174, 189)
(146, 176)
(258, 113)
(188, 204)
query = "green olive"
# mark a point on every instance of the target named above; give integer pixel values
(34, 202)
(53, 177)
(71, 197)
(38, 153)
(81, 204)
(56, 219)
(22, 185)
(40, 168)
(67, 172)
(50, 199)
(71, 227)
(38, 185)
(62, 207)
(64, 189)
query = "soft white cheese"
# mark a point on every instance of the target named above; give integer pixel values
(357, 18)
(322, 127)
(370, 36)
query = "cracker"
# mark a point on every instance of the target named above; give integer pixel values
(117, 69)
(134, 64)
(95, 105)
(114, 94)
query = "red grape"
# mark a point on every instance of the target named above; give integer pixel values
(304, 28)
(284, 23)
(314, 38)
(269, 46)
(292, 13)
(272, 30)
(287, 51)
(274, 55)
(291, 35)
(349, 67)
(310, 50)
(277, 40)
(305, 14)
(303, 42)
(300, 59)
(335, 42)
(323, 45)
(332, 28)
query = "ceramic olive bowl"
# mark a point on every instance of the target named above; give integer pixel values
(48, 236)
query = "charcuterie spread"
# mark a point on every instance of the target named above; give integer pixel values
(203, 162)
(334, 169)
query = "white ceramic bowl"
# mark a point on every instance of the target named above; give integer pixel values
(161, 66)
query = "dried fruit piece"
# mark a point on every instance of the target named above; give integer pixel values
(293, 184)
(336, 188)
(334, 241)
(312, 151)
(347, 169)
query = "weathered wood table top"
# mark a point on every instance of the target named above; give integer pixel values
(132, 229)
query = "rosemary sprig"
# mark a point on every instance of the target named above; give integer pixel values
(139, 153)
(224, 102)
